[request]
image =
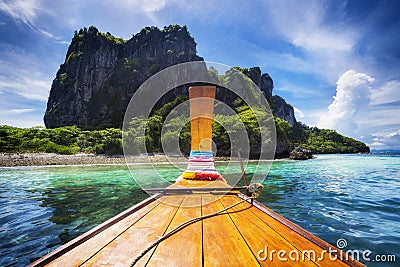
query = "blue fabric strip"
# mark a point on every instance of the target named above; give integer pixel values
(194, 153)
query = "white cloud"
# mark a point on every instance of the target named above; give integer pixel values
(22, 122)
(311, 44)
(135, 5)
(290, 62)
(358, 109)
(303, 25)
(323, 39)
(30, 13)
(383, 109)
(153, 5)
(20, 75)
(26, 87)
(324, 48)
(299, 114)
(385, 141)
(24, 11)
(352, 97)
(388, 93)
(297, 90)
(325, 64)
(17, 111)
(131, 10)
(122, 18)
(312, 115)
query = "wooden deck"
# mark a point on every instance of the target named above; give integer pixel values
(233, 238)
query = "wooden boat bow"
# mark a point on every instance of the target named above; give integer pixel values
(243, 232)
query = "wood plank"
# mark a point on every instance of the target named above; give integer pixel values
(201, 116)
(260, 236)
(184, 183)
(83, 252)
(232, 239)
(222, 243)
(127, 246)
(185, 247)
(64, 249)
(302, 243)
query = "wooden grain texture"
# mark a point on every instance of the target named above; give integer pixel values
(260, 236)
(185, 247)
(231, 239)
(129, 244)
(201, 116)
(81, 253)
(184, 183)
(298, 241)
(194, 117)
(222, 243)
(66, 248)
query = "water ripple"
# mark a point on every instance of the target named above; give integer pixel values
(334, 196)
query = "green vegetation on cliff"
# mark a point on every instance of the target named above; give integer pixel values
(71, 139)
(63, 140)
(101, 73)
(319, 141)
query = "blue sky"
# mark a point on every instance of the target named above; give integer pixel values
(336, 62)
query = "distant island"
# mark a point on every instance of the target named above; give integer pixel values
(94, 85)
(386, 151)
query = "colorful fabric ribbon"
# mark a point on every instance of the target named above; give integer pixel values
(201, 167)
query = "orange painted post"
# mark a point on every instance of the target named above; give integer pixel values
(201, 160)
(201, 116)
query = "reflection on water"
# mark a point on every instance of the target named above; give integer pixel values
(334, 196)
(83, 201)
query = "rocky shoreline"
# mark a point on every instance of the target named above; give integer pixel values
(53, 159)
(44, 159)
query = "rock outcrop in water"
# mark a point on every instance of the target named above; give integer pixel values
(301, 154)
(100, 74)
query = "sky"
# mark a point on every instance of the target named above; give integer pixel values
(336, 62)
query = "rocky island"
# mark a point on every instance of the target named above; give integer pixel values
(94, 85)
(100, 74)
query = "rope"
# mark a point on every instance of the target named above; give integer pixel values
(181, 226)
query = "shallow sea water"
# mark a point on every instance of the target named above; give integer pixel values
(351, 197)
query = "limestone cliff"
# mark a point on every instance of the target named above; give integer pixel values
(283, 110)
(280, 108)
(263, 81)
(100, 74)
(93, 86)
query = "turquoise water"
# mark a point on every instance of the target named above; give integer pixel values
(355, 197)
